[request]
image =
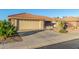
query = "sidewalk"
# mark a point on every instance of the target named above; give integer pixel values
(39, 39)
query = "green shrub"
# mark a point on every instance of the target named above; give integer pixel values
(63, 31)
(6, 30)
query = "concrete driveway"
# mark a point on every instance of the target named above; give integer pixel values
(72, 44)
(36, 39)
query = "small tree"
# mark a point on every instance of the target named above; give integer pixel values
(6, 30)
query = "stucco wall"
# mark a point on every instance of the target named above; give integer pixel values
(13, 21)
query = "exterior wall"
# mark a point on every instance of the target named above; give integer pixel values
(13, 22)
(78, 23)
(72, 23)
(30, 25)
(72, 26)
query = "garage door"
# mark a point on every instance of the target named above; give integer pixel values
(30, 25)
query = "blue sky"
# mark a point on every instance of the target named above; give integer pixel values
(45, 12)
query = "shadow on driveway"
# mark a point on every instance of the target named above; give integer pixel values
(27, 33)
(72, 44)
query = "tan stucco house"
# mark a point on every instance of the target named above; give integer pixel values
(24, 21)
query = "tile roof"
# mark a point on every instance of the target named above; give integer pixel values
(29, 17)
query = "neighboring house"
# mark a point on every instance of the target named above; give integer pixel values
(72, 21)
(24, 21)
